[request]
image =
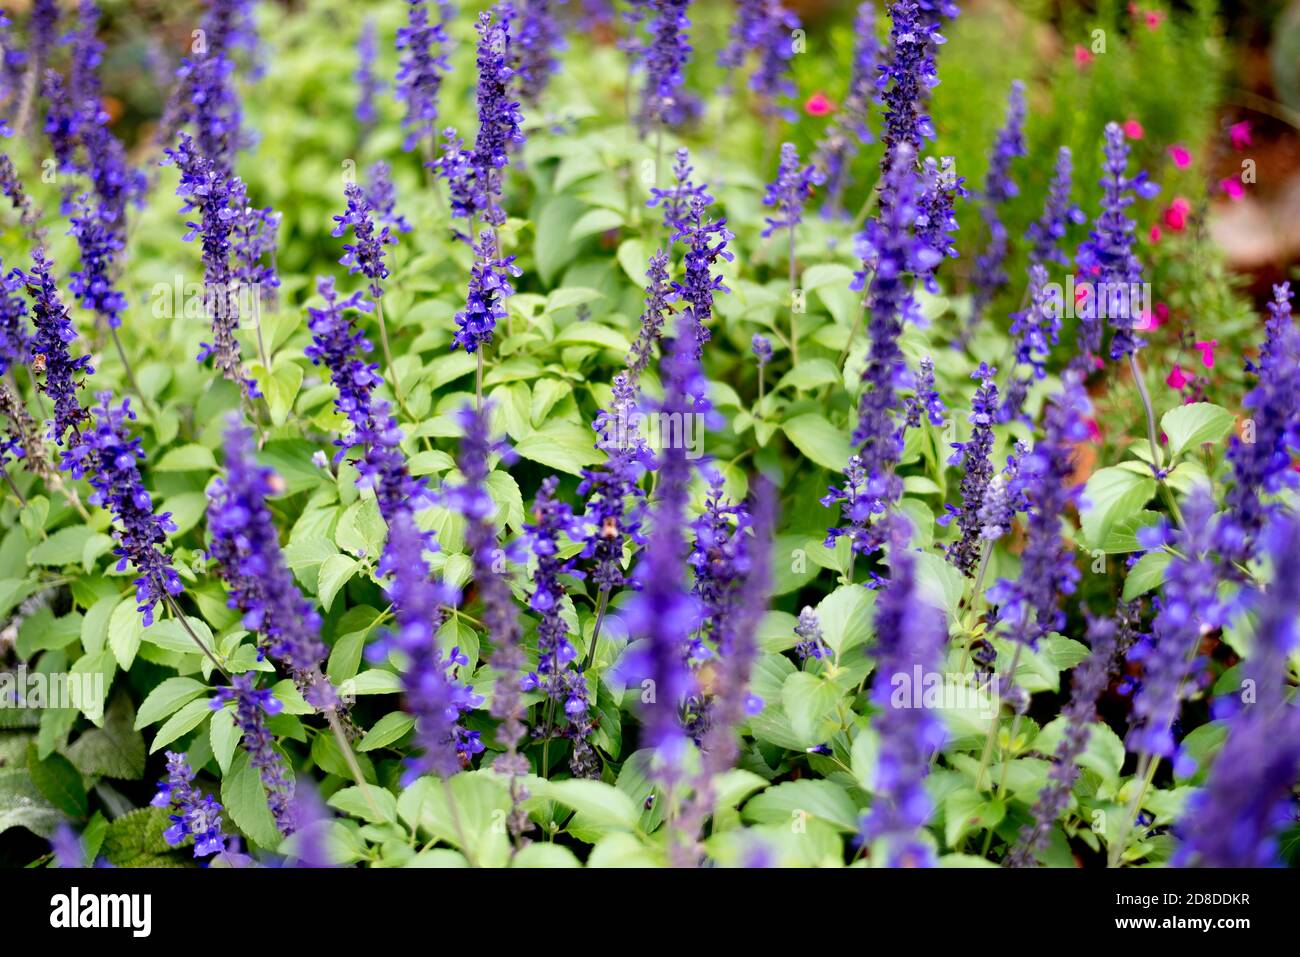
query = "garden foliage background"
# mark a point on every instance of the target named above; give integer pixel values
(822, 772)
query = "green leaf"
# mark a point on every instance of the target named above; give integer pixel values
(1196, 424)
(23, 805)
(845, 617)
(63, 547)
(391, 727)
(60, 782)
(810, 701)
(593, 334)
(810, 374)
(187, 458)
(599, 804)
(473, 821)
(1146, 574)
(224, 735)
(560, 444)
(807, 797)
(816, 438)
(167, 698)
(245, 801)
(114, 751)
(280, 389)
(125, 630)
(182, 722)
(966, 811)
(334, 574)
(354, 801)
(542, 854)
(570, 296)
(1110, 495)
(593, 222)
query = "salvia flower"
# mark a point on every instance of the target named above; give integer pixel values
(1248, 799)
(651, 326)
(664, 59)
(1036, 329)
(844, 136)
(1046, 234)
(365, 254)
(29, 214)
(808, 630)
(910, 637)
(246, 548)
(720, 559)
(205, 187)
(678, 198)
(48, 348)
(1031, 602)
(564, 686)
(383, 198)
(108, 458)
(369, 85)
(905, 82)
(473, 501)
(789, 191)
(1108, 259)
(252, 707)
(194, 815)
(1189, 606)
(93, 282)
(973, 458)
(15, 338)
(499, 117)
(340, 346)
(771, 36)
(936, 218)
(990, 274)
(1262, 467)
(423, 46)
(540, 40)
(761, 347)
(433, 695)
(892, 254)
(1090, 681)
(925, 401)
(489, 288)
(706, 241)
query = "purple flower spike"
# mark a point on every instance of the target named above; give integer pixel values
(706, 242)
(1048, 233)
(905, 82)
(194, 815)
(252, 708)
(49, 352)
(972, 457)
(540, 40)
(246, 548)
(665, 61)
(108, 458)
(489, 288)
(990, 275)
(365, 254)
(789, 191)
(369, 85)
(850, 130)
(434, 696)
(423, 46)
(911, 635)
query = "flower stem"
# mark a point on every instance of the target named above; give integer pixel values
(601, 604)
(1157, 459)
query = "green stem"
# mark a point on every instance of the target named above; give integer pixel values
(601, 605)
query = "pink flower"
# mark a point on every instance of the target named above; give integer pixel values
(1239, 133)
(1176, 379)
(1156, 233)
(1232, 187)
(819, 104)
(1153, 19)
(1181, 156)
(1207, 347)
(1161, 315)
(1176, 214)
(1094, 432)
(1082, 56)
(1133, 129)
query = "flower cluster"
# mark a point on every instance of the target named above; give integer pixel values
(246, 548)
(369, 85)
(194, 815)
(1036, 329)
(489, 288)
(664, 61)
(990, 274)
(910, 638)
(540, 39)
(108, 458)
(650, 328)
(849, 131)
(434, 696)
(706, 242)
(789, 191)
(423, 63)
(936, 216)
(1047, 233)
(905, 82)
(972, 457)
(340, 346)
(1107, 258)
(48, 348)
(1044, 480)
(365, 254)
(252, 707)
